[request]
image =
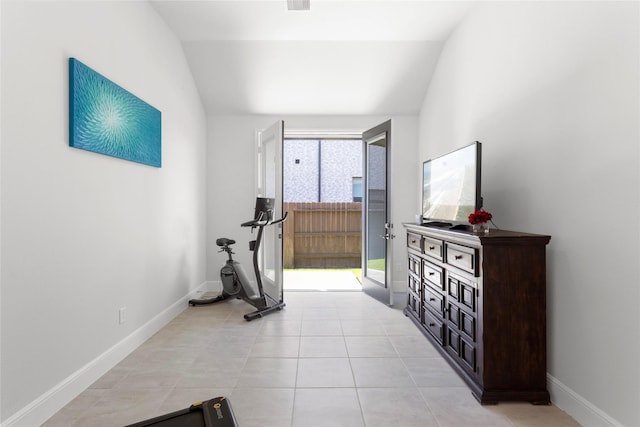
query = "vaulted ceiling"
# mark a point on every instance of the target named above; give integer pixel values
(341, 57)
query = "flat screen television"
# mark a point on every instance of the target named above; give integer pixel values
(451, 186)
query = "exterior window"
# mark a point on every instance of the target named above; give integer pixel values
(356, 188)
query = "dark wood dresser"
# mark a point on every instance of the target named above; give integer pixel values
(481, 300)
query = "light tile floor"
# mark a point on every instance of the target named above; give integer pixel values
(320, 280)
(327, 359)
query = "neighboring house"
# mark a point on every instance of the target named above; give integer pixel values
(322, 170)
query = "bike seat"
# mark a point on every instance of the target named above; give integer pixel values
(223, 241)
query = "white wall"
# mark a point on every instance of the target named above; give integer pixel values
(231, 174)
(551, 89)
(85, 234)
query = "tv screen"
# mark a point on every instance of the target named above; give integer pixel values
(451, 185)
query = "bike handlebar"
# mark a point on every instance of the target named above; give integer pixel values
(259, 222)
(278, 221)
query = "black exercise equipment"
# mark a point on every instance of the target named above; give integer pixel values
(235, 282)
(216, 412)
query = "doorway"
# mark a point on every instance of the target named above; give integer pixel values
(322, 191)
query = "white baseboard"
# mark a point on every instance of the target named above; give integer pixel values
(399, 299)
(45, 406)
(583, 411)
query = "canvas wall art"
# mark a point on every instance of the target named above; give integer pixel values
(107, 119)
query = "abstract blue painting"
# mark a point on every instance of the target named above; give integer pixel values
(107, 119)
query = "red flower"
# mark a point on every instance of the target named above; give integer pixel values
(480, 217)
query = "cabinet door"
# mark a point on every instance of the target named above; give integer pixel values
(461, 314)
(468, 354)
(414, 296)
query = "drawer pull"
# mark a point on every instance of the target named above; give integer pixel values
(432, 299)
(458, 256)
(431, 325)
(431, 248)
(431, 273)
(413, 240)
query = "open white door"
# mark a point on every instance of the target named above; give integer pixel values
(269, 184)
(377, 227)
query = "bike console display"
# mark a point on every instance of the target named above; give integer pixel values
(264, 206)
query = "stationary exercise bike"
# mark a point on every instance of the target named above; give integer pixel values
(235, 282)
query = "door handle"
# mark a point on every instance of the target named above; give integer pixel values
(387, 235)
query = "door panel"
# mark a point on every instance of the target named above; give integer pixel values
(377, 226)
(270, 185)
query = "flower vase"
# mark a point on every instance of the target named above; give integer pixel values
(481, 228)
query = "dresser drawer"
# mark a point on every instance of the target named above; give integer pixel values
(433, 274)
(434, 301)
(462, 257)
(434, 326)
(433, 248)
(414, 241)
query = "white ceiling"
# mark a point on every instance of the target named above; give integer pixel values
(341, 57)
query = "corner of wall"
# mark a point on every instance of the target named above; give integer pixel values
(578, 407)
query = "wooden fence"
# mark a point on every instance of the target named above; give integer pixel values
(322, 235)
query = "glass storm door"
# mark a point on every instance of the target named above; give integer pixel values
(377, 228)
(269, 174)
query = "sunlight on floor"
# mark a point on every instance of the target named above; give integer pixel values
(320, 280)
